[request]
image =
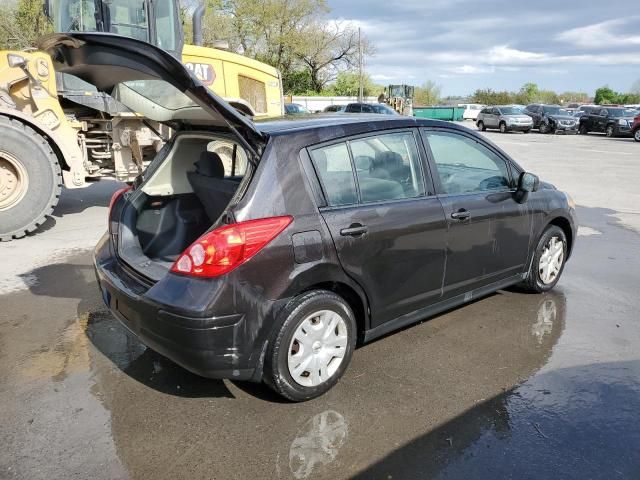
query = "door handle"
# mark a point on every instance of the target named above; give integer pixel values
(461, 214)
(354, 230)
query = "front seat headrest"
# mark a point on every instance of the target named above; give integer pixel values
(210, 165)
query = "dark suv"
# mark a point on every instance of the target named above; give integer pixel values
(267, 251)
(551, 119)
(612, 121)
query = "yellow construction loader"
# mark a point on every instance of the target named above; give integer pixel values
(56, 130)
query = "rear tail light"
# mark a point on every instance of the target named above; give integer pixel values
(114, 198)
(227, 247)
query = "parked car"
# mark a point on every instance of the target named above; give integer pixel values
(295, 109)
(635, 128)
(471, 110)
(504, 118)
(612, 121)
(380, 108)
(317, 234)
(551, 119)
(334, 108)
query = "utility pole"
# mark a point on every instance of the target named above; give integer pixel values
(361, 68)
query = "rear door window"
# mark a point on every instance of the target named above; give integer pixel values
(334, 169)
(391, 168)
(386, 167)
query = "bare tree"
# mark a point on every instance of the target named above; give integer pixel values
(327, 49)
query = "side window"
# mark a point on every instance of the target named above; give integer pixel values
(466, 166)
(333, 166)
(388, 167)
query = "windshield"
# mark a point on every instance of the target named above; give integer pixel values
(510, 111)
(555, 111)
(383, 109)
(123, 17)
(616, 112)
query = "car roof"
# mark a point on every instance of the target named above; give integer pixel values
(286, 125)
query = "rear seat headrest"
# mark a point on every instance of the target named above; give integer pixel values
(210, 165)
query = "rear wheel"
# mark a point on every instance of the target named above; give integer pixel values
(313, 347)
(636, 135)
(548, 261)
(481, 126)
(526, 131)
(610, 131)
(30, 180)
(503, 127)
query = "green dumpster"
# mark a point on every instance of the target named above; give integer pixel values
(439, 113)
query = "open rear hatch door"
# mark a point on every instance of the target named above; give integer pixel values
(149, 81)
(152, 83)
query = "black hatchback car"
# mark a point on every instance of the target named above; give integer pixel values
(268, 251)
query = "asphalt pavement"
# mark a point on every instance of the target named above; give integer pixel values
(510, 386)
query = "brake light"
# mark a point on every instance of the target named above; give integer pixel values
(226, 248)
(116, 195)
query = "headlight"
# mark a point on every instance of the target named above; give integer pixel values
(570, 201)
(622, 122)
(15, 60)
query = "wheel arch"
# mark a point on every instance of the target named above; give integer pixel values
(565, 225)
(67, 151)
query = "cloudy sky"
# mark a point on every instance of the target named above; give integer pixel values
(467, 44)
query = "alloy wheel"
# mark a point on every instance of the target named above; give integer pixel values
(636, 135)
(317, 348)
(551, 260)
(609, 131)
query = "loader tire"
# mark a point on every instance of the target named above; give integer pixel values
(30, 179)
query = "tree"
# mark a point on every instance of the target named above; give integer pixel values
(291, 35)
(528, 93)
(347, 84)
(328, 48)
(297, 82)
(22, 25)
(490, 97)
(605, 95)
(427, 94)
(574, 97)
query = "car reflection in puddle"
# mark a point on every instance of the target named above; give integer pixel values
(317, 443)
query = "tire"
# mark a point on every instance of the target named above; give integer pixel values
(535, 282)
(31, 180)
(636, 135)
(544, 128)
(610, 131)
(481, 126)
(526, 131)
(299, 314)
(503, 127)
(583, 130)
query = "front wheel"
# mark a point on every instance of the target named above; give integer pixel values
(610, 131)
(503, 127)
(30, 179)
(526, 131)
(313, 347)
(544, 128)
(636, 135)
(481, 126)
(583, 129)
(548, 261)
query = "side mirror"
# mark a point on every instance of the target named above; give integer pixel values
(527, 183)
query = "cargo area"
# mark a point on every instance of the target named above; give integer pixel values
(186, 191)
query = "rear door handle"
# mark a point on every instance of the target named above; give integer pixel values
(461, 214)
(354, 230)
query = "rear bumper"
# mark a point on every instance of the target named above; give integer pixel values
(210, 346)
